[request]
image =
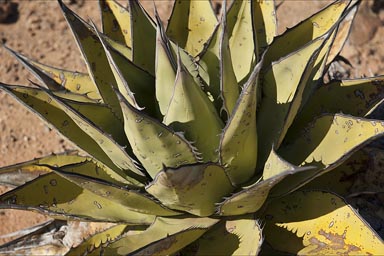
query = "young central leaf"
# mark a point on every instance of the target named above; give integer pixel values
(191, 111)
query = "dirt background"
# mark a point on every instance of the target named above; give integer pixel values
(38, 30)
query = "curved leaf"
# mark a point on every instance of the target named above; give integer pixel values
(18, 174)
(164, 237)
(155, 144)
(116, 22)
(318, 223)
(191, 111)
(45, 194)
(242, 236)
(238, 142)
(191, 24)
(191, 188)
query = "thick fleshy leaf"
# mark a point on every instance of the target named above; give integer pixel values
(164, 237)
(45, 194)
(276, 165)
(343, 30)
(143, 33)
(283, 85)
(238, 142)
(77, 128)
(61, 80)
(191, 24)
(222, 86)
(18, 174)
(240, 236)
(306, 31)
(116, 21)
(318, 223)
(360, 174)
(191, 111)
(341, 134)
(88, 168)
(252, 198)
(191, 188)
(165, 68)
(357, 97)
(94, 56)
(155, 144)
(132, 199)
(265, 23)
(98, 240)
(136, 88)
(241, 38)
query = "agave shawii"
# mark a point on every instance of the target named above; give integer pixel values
(207, 137)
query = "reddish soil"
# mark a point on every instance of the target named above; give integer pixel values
(38, 30)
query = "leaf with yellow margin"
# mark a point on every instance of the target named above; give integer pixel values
(318, 223)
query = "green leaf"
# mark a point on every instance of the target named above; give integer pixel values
(77, 128)
(238, 142)
(191, 111)
(89, 168)
(173, 232)
(339, 134)
(191, 188)
(265, 23)
(241, 39)
(222, 86)
(318, 223)
(99, 240)
(60, 81)
(306, 31)
(360, 174)
(357, 97)
(191, 24)
(276, 165)
(95, 58)
(45, 194)
(155, 144)
(250, 199)
(134, 200)
(115, 21)
(343, 30)
(18, 174)
(165, 68)
(143, 33)
(242, 236)
(134, 88)
(282, 87)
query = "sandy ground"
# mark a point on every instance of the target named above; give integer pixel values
(38, 30)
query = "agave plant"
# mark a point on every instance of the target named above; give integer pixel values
(210, 136)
